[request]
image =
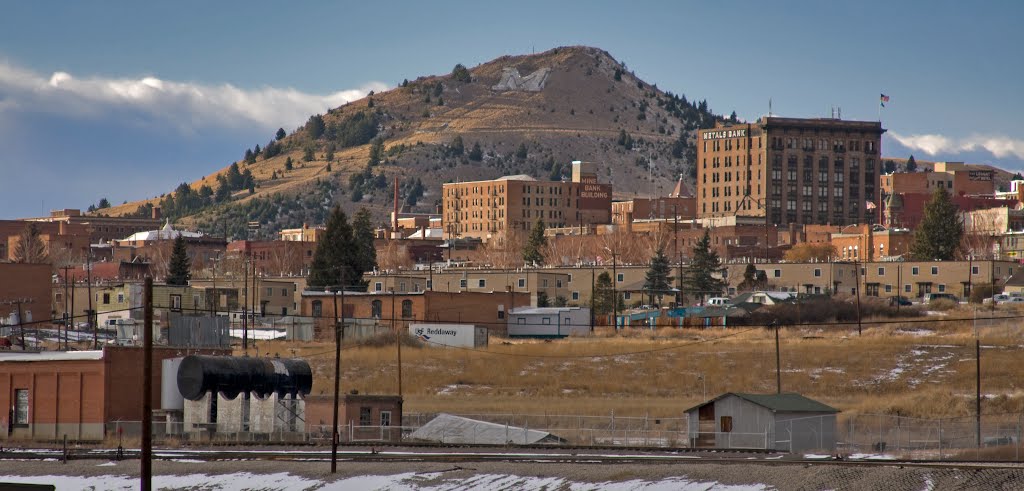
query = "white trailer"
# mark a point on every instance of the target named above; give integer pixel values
(460, 335)
(549, 322)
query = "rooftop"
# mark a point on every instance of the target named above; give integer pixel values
(786, 402)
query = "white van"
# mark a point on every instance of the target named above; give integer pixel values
(718, 302)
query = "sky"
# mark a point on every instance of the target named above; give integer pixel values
(125, 100)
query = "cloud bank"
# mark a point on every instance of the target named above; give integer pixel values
(931, 144)
(186, 107)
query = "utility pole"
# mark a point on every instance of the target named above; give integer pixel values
(337, 373)
(147, 387)
(398, 339)
(778, 360)
(67, 316)
(245, 300)
(89, 313)
(977, 388)
(857, 287)
(592, 283)
(255, 293)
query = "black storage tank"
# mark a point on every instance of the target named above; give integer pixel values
(231, 375)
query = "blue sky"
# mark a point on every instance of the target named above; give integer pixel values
(126, 99)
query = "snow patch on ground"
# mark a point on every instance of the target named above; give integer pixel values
(407, 481)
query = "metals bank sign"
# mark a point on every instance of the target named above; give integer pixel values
(718, 135)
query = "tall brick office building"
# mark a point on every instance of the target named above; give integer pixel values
(805, 171)
(492, 209)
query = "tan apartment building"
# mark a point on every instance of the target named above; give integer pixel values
(512, 204)
(956, 177)
(820, 171)
(303, 234)
(805, 278)
(913, 279)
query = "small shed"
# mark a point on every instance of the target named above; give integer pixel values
(787, 422)
(448, 428)
(548, 322)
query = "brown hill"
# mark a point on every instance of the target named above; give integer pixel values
(587, 103)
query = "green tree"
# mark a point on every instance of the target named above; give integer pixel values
(30, 248)
(223, 193)
(288, 165)
(698, 279)
(752, 279)
(456, 147)
(658, 279)
(376, 151)
(280, 134)
(104, 203)
(461, 74)
(521, 152)
(618, 75)
(888, 167)
(250, 158)
(542, 300)
(315, 126)
(604, 294)
(362, 236)
(340, 256)
(234, 177)
(476, 154)
(178, 271)
(911, 164)
(308, 155)
(938, 236)
(533, 252)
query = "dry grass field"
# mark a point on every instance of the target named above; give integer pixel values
(921, 368)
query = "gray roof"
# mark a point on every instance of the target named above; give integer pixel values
(786, 402)
(448, 428)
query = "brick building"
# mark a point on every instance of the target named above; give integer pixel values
(821, 171)
(75, 393)
(956, 177)
(103, 228)
(275, 257)
(28, 284)
(74, 238)
(871, 242)
(356, 414)
(512, 204)
(484, 309)
(680, 203)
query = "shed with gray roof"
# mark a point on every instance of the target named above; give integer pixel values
(786, 422)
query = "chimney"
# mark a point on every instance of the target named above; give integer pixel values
(394, 213)
(156, 213)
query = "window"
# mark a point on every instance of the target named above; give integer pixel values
(21, 407)
(521, 320)
(365, 416)
(935, 270)
(881, 271)
(626, 296)
(175, 302)
(378, 287)
(619, 278)
(914, 270)
(120, 298)
(546, 321)
(888, 288)
(575, 295)
(942, 288)
(106, 299)
(270, 291)
(318, 308)
(817, 272)
(906, 288)
(430, 284)
(974, 270)
(284, 292)
(777, 273)
(407, 309)
(462, 283)
(401, 286)
(522, 282)
(726, 424)
(385, 418)
(375, 309)
(481, 283)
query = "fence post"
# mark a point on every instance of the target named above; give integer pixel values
(940, 439)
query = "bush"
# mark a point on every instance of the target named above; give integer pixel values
(942, 305)
(983, 291)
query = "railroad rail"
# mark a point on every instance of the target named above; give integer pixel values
(442, 455)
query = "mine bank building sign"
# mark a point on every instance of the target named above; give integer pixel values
(594, 191)
(718, 135)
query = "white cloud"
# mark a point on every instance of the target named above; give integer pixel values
(185, 106)
(997, 145)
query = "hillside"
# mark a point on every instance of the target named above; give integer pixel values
(572, 103)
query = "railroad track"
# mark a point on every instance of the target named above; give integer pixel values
(560, 455)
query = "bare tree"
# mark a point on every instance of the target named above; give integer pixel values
(394, 256)
(30, 247)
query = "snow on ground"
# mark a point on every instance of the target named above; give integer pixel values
(868, 456)
(259, 334)
(407, 481)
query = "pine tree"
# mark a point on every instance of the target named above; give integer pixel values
(698, 279)
(362, 236)
(938, 236)
(178, 271)
(604, 294)
(288, 164)
(533, 252)
(521, 152)
(376, 151)
(911, 164)
(460, 73)
(30, 248)
(250, 158)
(308, 155)
(752, 279)
(315, 126)
(456, 147)
(104, 203)
(334, 256)
(476, 154)
(659, 276)
(280, 134)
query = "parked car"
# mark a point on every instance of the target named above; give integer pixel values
(899, 300)
(998, 299)
(931, 297)
(1013, 301)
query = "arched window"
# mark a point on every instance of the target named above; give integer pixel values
(406, 309)
(375, 308)
(318, 308)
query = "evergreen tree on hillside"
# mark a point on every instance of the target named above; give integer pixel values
(30, 248)
(362, 237)
(376, 151)
(658, 279)
(461, 74)
(315, 126)
(308, 155)
(179, 269)
(280, 134)
(521, 152)
(456, 147)
(250, 158)
(938, 236)
(533, 252)
(698, 279)
(476, 154)
(104, 203)
(234, 178)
